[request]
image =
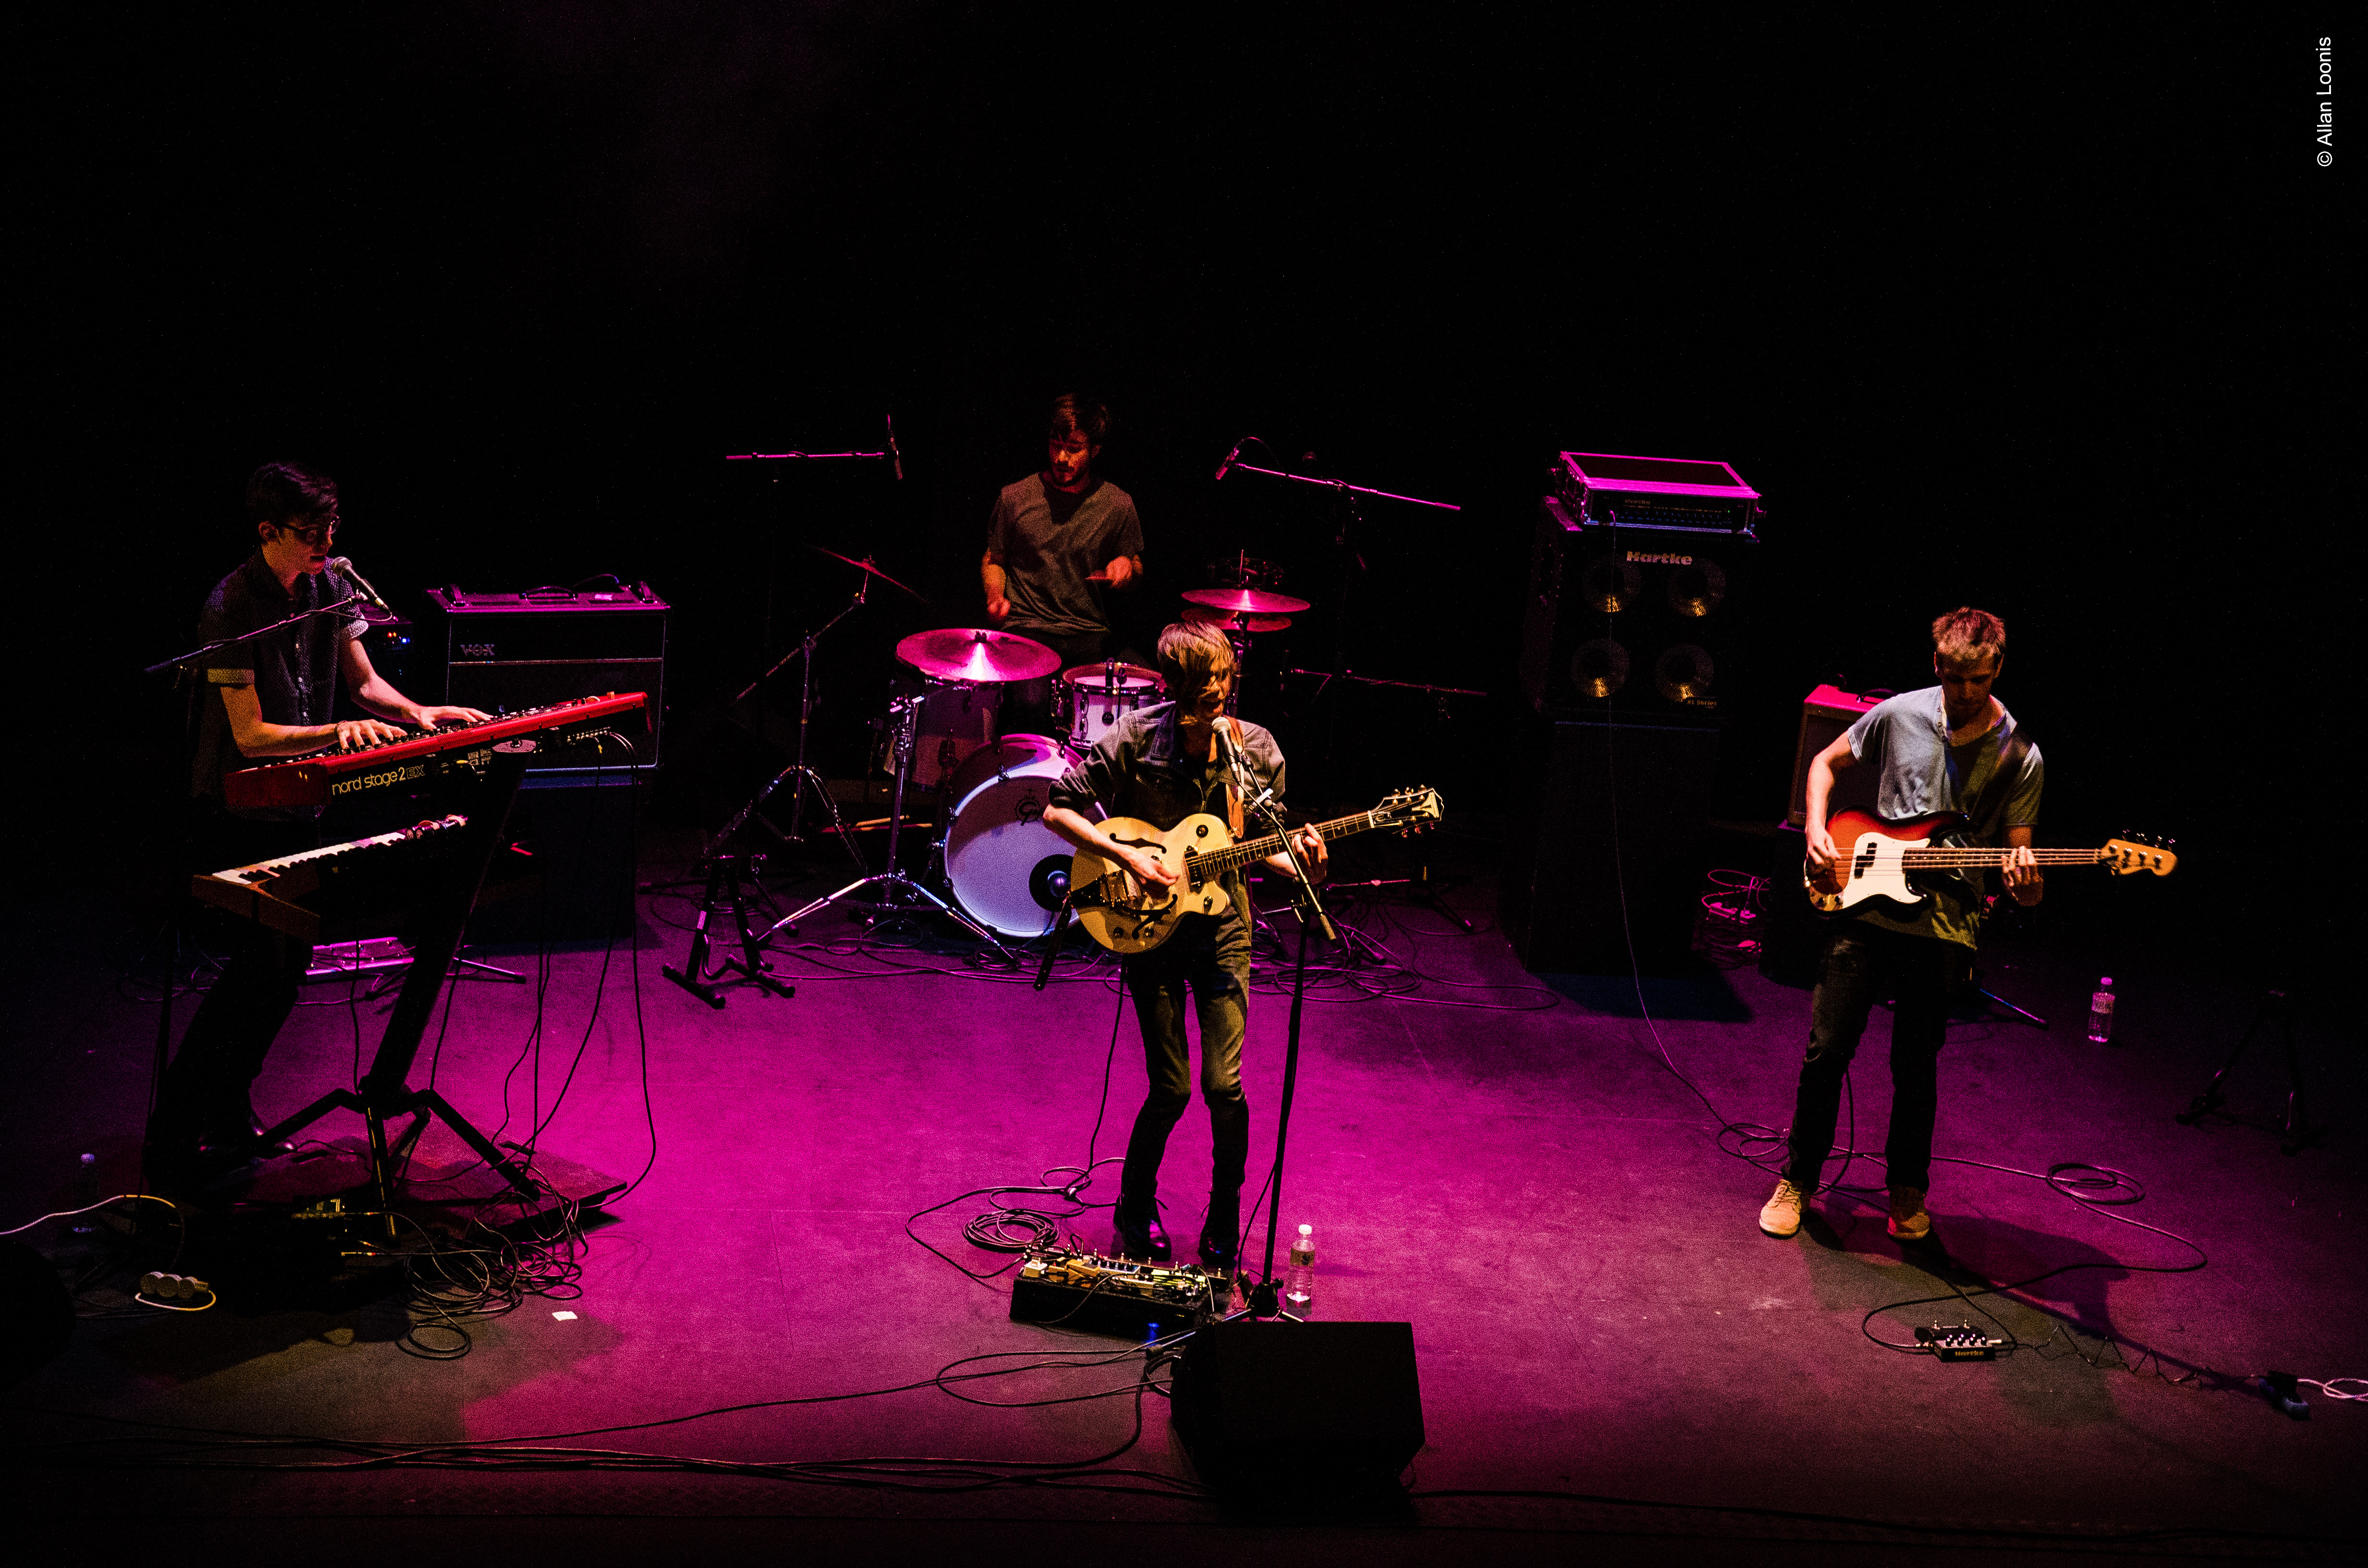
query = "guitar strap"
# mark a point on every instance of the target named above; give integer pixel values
(1233, 789)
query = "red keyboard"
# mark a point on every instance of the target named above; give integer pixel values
(327, 777)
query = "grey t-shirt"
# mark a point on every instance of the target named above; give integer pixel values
(1050, 542)
(1994, 780)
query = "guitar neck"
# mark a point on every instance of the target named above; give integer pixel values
(1947, 857)
(1219, 862)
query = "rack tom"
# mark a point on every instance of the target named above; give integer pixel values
(1091, 698)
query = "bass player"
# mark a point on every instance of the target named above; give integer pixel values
(1161, 765)
(1951, 747)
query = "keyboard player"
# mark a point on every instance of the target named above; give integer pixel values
(272, 696)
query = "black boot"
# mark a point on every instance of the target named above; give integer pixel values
(1142, 1239)
(1221, 1234)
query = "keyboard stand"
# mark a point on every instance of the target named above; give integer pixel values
(384, 1093)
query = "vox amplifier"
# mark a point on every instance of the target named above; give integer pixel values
(509, 652)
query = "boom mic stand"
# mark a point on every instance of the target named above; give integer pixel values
(1343, 540)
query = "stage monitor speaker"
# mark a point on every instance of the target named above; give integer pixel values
(1606, 848)
(517, 651)
(1825, 714)
(1641, 623)
(1297, 1406)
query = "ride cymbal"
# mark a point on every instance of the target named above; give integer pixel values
(1246, 601)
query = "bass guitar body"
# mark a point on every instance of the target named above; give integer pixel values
(1872, 858)
(1122, 913)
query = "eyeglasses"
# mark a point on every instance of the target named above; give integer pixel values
(316, 533)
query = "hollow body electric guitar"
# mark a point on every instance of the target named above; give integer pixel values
(1880, 859)
(1127, 916)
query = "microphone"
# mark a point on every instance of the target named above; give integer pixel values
(895, 457)
(1223, 468)
(341, 563)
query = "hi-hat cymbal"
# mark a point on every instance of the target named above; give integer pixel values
(865, 566)
(963, 654)
(1246, 601)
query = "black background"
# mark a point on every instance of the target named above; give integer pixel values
(1993, 310)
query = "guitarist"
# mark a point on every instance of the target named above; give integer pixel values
(1161, 765)
(1951, 747)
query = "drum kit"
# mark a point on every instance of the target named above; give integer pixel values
(1006, 870)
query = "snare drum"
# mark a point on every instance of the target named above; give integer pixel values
(1093, 697)
(1009, 871)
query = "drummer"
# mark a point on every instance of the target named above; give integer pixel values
(1058, 543)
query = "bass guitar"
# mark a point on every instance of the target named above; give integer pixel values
(1126, 916)
(1880, 859)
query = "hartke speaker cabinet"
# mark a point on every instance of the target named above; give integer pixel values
(1643, 623)
(517, 650)
(1602, 810)
(1290, 1406)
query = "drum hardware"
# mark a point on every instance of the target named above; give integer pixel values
(904, 715)
(730, 875)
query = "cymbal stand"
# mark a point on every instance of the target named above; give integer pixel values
(905, 713)
(807, 778)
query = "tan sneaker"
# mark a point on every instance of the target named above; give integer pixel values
(1780, 1215)
(1908, 1222)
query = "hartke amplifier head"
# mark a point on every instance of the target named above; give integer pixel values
(508, 651)
(1634, 621)
(1672, 493)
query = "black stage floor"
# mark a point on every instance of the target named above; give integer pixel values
(1612, 1357)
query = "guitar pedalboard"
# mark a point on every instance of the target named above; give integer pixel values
(1061, 1288)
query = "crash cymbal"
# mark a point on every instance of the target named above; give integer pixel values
(961, 654)
(1246, 601)
(865, 566)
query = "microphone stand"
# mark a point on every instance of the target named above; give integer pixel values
(163, 664)
(1343, 540)
(1263, 1298)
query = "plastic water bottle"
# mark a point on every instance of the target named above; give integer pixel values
(1299, 1278)
(2100, 1012)
(86, 1193)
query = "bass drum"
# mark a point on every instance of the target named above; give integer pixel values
(1007, 871)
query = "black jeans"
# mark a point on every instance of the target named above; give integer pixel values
(1217, 980)
(1863, 965)
(205, 1091)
